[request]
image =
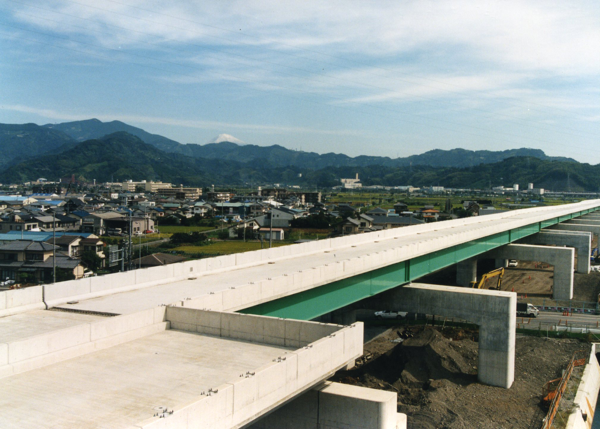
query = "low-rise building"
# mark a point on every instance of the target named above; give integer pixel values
(34, 262)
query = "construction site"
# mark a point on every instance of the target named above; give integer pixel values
(432, 364)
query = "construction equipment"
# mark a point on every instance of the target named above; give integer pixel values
(484, 278)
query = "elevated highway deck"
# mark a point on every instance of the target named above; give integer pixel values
(192, 303)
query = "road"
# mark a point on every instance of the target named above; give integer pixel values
(551, 320)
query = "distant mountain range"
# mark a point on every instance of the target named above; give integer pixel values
(116, 151)
(279, 156)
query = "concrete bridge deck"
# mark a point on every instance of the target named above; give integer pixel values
(260, 280)
(168, 304)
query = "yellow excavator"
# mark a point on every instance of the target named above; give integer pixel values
(484, 278)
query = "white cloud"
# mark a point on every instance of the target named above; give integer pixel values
(51, 114)
(556, 36)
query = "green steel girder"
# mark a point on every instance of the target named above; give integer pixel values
(324, 299)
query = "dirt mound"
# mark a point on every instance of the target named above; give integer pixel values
(434, 373)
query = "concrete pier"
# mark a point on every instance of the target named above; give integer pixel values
(563, 259)
(493, 311)
(466, 272)
(589, 227)
(581, 241)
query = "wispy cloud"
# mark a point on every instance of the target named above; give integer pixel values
(509, 60)
(51, 114)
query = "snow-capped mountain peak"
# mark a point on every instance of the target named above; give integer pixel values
(226, 138)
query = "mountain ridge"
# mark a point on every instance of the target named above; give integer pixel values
(279, 156)
(122, 156)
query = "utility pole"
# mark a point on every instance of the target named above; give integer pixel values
(53, 247)
(271, 228)
(130, 240)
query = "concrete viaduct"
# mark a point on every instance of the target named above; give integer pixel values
(222, 342)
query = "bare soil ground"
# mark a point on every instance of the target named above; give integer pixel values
(434, 372)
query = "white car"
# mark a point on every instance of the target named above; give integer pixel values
(390, 314)
(513, 263)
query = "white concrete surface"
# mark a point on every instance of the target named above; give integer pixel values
(337, 406)
(124, 385)
(587, 395)
(115, 372)
(580, 241)
(595, 229)
(493, 311)
(30, 341)
(562, 258)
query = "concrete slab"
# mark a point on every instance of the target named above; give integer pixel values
(37, 322)
(123, 385)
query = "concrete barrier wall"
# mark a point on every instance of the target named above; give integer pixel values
(587, 395)
(19, 300)
(42, 350)
(255, 393)
(269, 330)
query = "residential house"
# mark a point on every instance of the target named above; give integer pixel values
(98, 223)
(278, 217)
(400, 207)
(18, 222)
(349, 226)
(377, 212)
(429, 214)
(157, 260)
(388, 222)
(276, 233)
(74, 245)
(244, 229)
(57, 222)
(34, 262)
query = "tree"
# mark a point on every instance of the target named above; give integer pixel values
(90, 259)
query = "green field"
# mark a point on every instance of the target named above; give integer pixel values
(227, 247)
(172, 229)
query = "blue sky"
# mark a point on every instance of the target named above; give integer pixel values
(376, 78)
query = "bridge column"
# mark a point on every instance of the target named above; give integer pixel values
(466, 272)
(493, 311)
(563, 259)
(581, 241)
(594, 229)
(501, 263)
